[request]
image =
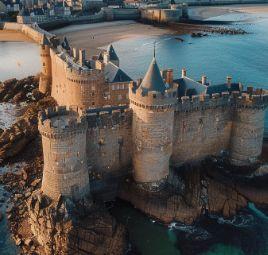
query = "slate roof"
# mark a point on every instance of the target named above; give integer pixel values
(153, 80)
(222, 88)
(111, 51)
(114, 74)
(189, 87)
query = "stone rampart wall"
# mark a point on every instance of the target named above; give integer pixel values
(207, 125)
(109, 148)
(201, 133)
(30, 30)
(10, 26)
(161, 15)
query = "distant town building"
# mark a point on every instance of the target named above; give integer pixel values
(3, 8)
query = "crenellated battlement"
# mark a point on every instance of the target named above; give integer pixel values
(59, 122)
(109, 117)
(224, 99)
(153, 100)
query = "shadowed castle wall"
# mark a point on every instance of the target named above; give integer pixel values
(109, 149)
(247, 135)
(247, 130)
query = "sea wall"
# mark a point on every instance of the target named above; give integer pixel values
(32, 31)
(161, 15)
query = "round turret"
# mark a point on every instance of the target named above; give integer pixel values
(153, 104)
(46, 72)
(248, 129)
(64, 148)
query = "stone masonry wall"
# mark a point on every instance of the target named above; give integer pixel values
(109, 149)
(64, 149)
(247, 135)
(69, 87)
(201, 133)
(152, 143)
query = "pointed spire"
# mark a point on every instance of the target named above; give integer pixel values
(153, 80)
(112, 53)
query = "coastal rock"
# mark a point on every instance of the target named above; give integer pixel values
(202, 188)
(17, 91)
(14, 139)
(85, 230)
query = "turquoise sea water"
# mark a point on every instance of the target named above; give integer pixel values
(239, 235)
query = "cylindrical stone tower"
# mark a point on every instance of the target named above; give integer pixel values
(247, 130)
(153, 118)
(64, 148)
(46, 72)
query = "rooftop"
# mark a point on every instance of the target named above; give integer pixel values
(153, 80)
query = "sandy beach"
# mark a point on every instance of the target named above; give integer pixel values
(94, 36)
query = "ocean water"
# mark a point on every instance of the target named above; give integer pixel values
(244, 234)
(8, 114)
(18, 60)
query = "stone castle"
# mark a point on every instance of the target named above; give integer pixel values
(113, 137)
(107, 126)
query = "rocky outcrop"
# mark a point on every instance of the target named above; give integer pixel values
(194, 190)
(14, 139)
(17, 91)
(65, 227)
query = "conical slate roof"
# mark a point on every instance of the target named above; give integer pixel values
(153, 80)
(111, 52)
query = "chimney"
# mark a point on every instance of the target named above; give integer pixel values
(82, 57)
(75, 54)
(204, 80)
(229, 81)
(169, 77)
(183, 73)
(106, 57)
